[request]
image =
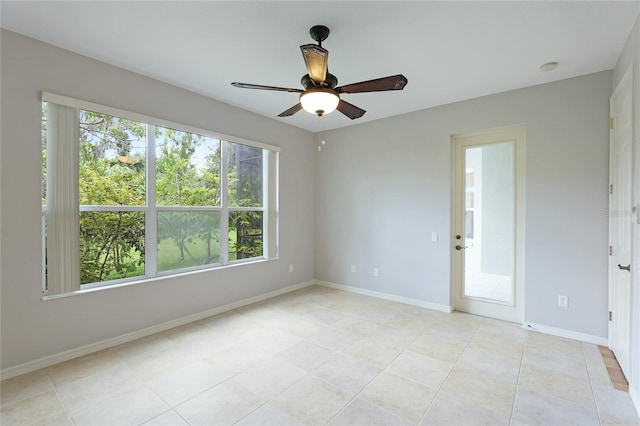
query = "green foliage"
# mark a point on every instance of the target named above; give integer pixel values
(180, 182)
(112, 172)
(199, 247)
(245, 175)
(111, 243)
(245, 190)
(175, 173)
(248, 241)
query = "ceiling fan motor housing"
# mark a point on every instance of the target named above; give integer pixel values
(331, 81)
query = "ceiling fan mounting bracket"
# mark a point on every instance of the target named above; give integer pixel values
(319, 33)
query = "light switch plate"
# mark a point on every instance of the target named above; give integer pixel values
(563, 301)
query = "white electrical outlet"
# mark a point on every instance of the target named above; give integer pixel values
(291, 268)
(353, 268)
(563, 301)
(375, 272)
(434, 236)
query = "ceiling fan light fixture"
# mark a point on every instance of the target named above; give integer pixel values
(319, 101)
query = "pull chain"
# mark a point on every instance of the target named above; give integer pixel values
(322, 141)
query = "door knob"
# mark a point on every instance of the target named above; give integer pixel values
(625, 268)
(459, 247)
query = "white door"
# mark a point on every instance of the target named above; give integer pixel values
(620, 220)
(488, 240)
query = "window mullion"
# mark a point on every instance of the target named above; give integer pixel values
(151, 218)
(111, 208)
(224, 214)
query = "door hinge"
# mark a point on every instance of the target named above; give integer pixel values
(611, 123)
(611, 189)
(610, 250)
(610, 316)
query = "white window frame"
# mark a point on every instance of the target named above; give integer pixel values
(269, 205)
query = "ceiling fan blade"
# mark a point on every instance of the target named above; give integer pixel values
(350, 110)
(316, 59)
(394, 82)
(291, 110)
(261, 87)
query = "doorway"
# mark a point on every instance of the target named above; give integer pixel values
(488, 240)
(620, 220)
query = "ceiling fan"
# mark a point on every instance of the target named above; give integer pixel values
(320, 95)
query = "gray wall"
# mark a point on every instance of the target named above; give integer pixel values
(383, 187)
(630, 56)
(31, 328)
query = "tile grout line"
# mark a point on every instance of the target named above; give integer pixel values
(515, 396)
(171, 406)
(357, 395)
(593, 391)
(267, 401)
(365, 386)
(4, 405)
(309, 373)
(146, 385)
(450, 372)
(55, 390)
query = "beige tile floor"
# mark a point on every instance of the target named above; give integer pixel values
(322, 356)
(488, 286)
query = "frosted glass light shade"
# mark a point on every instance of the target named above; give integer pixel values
(319, 101)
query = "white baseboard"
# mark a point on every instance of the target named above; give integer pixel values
(50, 360)
(561, 332)
(387, 296)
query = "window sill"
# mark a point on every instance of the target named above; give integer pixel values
(155, 279)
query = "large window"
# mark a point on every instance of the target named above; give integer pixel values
(127, 197)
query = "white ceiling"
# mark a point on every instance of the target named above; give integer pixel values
(449, 51)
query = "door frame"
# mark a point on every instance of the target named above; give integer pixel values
(517, 134)
(625, 86)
